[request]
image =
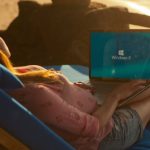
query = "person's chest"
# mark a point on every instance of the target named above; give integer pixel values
(80, 98)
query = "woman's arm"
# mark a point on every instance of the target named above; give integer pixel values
(105, 112)
(54, 111)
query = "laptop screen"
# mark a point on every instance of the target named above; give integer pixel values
(120, 55)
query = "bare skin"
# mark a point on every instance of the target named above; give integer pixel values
(143, 109)
(141, 103)
(119, 94)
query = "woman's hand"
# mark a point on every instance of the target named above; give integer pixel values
(116, 96)
(125, 90)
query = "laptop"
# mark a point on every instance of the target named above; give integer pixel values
(118, 56)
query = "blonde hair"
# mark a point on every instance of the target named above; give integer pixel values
(43, 76)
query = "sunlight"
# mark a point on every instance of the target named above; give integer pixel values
(140, 8)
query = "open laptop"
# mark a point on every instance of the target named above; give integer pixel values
(118, 56)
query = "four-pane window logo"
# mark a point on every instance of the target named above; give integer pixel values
(121, 52)
(121, 55)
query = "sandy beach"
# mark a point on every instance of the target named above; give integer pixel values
(9, 8)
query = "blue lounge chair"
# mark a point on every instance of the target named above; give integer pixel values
(20, 123)
(17, 121)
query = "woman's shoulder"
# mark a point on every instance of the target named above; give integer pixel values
(28, 89)
(33, 92)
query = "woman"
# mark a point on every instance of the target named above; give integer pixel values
(72, 111)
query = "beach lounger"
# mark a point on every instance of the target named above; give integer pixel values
(24, 131)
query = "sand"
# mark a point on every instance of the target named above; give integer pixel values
(9, 8)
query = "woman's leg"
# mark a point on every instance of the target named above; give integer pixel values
(143, 109)
(129, 124)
